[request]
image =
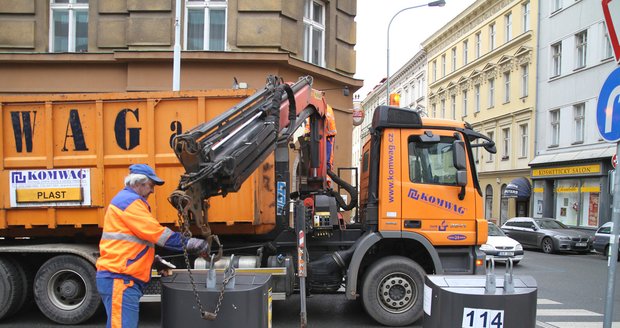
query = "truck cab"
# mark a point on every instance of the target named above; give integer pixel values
(421, 201)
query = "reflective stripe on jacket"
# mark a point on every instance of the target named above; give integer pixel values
(129, 235)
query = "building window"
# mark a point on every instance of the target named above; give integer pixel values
(526, 16)
(69, 26)
(508, 31)
(434, 110)
(314, 32)
(434, 70)
(206, 25)
(556, 58)
(554, 120)
(453, 104)
(525, 68)
(581, 44)
(491, 36)
(464, 102)
(607, 51)
(503, 206)
(578, 116)
(443, 108)
(478, 44)
(443, 65)
(506, 87)
(454, 59)
(477, 98)
(556, 5)
(505, 143)
(524, 139)
(466, 51)
(491, 92)
(491, 136)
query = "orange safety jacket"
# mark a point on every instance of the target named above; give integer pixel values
(129, 235)
(330, 122)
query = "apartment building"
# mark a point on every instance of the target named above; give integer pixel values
(74, 46)
(409, 82)
(481, 69)
(571, 167)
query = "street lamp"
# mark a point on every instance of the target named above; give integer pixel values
(439, 3)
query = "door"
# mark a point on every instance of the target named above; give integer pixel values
(430, 194)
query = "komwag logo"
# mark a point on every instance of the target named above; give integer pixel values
(43, 175)
(391, 149)
(436, 201)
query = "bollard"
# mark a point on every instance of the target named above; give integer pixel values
(509, 284)
(491, 284)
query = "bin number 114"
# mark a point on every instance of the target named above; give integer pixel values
(482, 318)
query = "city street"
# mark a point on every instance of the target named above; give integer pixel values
(571, 293)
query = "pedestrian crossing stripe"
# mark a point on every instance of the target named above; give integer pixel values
(566, 312)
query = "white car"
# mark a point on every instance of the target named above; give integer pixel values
(500, 247)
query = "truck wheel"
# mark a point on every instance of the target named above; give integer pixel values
(393, 291)
(12, 287)
(65, 290)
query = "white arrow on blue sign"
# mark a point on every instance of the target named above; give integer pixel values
(608, 108)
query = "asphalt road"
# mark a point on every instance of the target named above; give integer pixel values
(571, 293)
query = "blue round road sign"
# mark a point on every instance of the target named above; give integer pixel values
(608, 108)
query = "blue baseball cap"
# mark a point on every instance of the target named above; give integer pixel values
(146, 170)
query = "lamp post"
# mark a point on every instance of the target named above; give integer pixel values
(439, 3)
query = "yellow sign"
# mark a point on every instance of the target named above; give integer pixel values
(539, 189)
(569, 170)
(591, 189)
(40, 195)
(567, 189)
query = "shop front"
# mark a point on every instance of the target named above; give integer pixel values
(577, 194)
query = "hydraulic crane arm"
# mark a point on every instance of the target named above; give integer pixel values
(219, 155)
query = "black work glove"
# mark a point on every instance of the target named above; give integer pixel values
(197, 246)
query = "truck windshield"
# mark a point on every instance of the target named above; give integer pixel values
(431, 162)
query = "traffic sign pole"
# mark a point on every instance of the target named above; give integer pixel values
(613, 257)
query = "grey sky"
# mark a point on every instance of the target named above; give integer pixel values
(409, 29)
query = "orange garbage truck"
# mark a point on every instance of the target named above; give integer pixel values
(243, 178)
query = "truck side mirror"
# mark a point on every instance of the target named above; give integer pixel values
(460, 162)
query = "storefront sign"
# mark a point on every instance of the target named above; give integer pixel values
(56, 187)
(569, 170)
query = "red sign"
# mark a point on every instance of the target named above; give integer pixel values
(614, 160)
(611, 11)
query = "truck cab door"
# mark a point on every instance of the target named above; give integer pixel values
(430, 188)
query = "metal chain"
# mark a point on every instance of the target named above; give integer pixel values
(186, 234)
(228, 275)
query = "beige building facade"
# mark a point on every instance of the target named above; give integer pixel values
(482, 69)
(76, 46)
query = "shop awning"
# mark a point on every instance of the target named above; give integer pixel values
(519, 188)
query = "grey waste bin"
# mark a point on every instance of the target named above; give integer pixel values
(477, 301)
(247, 304)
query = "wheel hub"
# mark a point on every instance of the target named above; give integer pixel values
(396, 293)
(69, 289)
(66, 290)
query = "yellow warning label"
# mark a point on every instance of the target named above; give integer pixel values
(37, 195)
(269, 309)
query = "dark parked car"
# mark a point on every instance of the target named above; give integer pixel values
(601, 239)
(548, 234)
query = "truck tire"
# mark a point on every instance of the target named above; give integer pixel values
(12, 287)
(65, 289)
(393, 291)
